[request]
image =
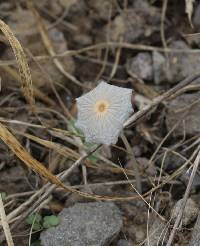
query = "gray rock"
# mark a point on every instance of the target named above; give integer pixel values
(195, 239)
(178, 109)
(85, 224)
(158, 232)
(149, 168)
(190, 211)
(140, 235)
(140, 4)
(159, 62)
(135, 24)
(141, 66)
(186, 176)
(175, 66)
(101, 9)
(172, 161)
(74, 8)
(123, 242)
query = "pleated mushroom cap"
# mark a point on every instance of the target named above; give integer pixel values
(102, 112)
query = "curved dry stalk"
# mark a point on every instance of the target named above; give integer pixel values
(26, 80)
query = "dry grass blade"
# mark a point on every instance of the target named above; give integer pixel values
(5, 225)
(26, 80)
(23, 155)
(134, 162)
(36, 166)
(73, 155)
(63, 150)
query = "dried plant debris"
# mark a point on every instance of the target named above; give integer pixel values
(23, 24)
(102, 112)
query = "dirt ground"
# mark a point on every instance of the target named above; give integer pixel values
(150, 46)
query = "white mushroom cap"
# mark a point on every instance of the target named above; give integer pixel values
(102, 112)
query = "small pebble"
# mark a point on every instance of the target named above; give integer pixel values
(190, 211)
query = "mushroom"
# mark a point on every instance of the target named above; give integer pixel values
(102, 112)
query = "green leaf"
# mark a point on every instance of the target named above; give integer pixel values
(37, 227)
(35, 221)
(50, 221)
(46, 225)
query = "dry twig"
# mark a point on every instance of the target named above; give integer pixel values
(5, 224)
(134, 162)
(185, 198)
(140, 114)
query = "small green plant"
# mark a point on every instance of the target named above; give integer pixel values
(39, 223)
(35, 221)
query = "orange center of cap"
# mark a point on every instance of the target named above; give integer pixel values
(101, 107)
